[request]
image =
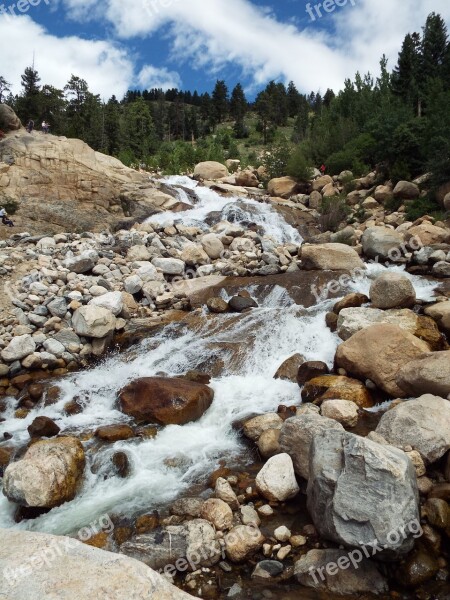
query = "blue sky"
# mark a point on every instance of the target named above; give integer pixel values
(116, 45)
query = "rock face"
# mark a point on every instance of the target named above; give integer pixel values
(166, 401)
(381, 242)
(330, 257)
(75, 571)
(70, 187)
(93, 321)
(427, 374)
(423, 423)
(210, 170)
(297, 434)
(378, 353)
(47, 475)
(9, 121)
(276, 480)
(392, 290)
(289, 369)
(360, 491)
(333, 571)
(282, 187)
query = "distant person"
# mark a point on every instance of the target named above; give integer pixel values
(30, 126)
(4, 217)
(323, 169)
(45, 127)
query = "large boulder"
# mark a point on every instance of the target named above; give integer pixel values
(334, 387)
(360, 491)
(164, 400)
(428, 234)
(81, 263)
(112, 301)
(423, 423)
(169, 266)
(339, 572)
(93, 321)
(392, 290)
(247, 179)
(212, 245)
(330, 257)
(319, 183)
(429, 374)
(276, 480)
(378, 353)
(447, 202)
(19, 347)
(297, 434)
(405, 190)
(210, 170)
(282, 187)
(9, 121)
(381, 242)
(440, 312)
(64, 568)
(47, 475)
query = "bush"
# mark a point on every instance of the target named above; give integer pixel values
(276, 160)
(424, 206)
(333, 211)
(9, 205)
(298, 166)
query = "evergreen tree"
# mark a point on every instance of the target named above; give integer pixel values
(406, 75)
(5, 87)
(112, 115)
(238, 103)
(29, 102)
(294, 99)
(138, 132)
(220, 102)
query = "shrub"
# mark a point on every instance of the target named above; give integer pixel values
(424, 206)
(333, 211)
(9, 205)
(298, 166)
(276, 160)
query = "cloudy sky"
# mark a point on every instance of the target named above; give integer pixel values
(120, 44)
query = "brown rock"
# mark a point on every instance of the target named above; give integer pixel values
(351, 301)
(378, 353)
(289, 369)
(43, 427)
(166, 401)
(331, 320)
(427, 374)
(146, 523)
(114, 433)
(418, 568)
(9, 121)
(121, 463)
(333, 387)
(428, 234)
(310, 370)
(282, 187)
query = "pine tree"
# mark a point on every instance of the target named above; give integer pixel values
(238, 103)
(220, 102)
(434, 46)
(405, 78)
(293, 100)
(138, 129)
(5, 87)
(29, 102)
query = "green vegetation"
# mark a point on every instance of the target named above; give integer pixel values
(333, 211)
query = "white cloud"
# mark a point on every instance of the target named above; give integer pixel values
(106, 67)
(152, 77)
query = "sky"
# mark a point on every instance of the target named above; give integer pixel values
(116, 45)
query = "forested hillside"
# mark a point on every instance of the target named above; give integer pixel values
(400, 119)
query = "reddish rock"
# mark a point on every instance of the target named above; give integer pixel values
(114, 433)
(43, 427)
(166, 401)
(311, 369)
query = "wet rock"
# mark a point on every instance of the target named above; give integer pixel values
(276, 480)
(333, 387)
(417, 569)
(240, 304)
(267, 569)
(218, 513)
(297, 434)
(217, 305)
(114, 433)
(18, 348)
(166, 401)
(269, 443)
(121, 464)
(378, 353)
(311, 369)
(427, 374)
(242, 541)
(392, 290)
(224, 491)
(330, 257)
(359, 491)
(47, 475)
(437, 512)
(423, 424)
(342, 411)
(197, 377)
(80, 571)
(354, 300)
(289, 369)
(253, 428)
(43, 427)
(331, 321)
(332, 571)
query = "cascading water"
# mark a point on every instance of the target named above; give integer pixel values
(252, 346)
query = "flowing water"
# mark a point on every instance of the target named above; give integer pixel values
(252, 346)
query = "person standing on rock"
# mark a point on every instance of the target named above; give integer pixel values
(4, 217)
(45, 127)
(323, 169)
(30, 126)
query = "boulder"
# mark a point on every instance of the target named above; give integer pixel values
(217, 305)
(242, 541)
(247, 179)
(138, 253)
(194, 255)
(315, 200)
(169, 266)
(330, 257)
(429, 374)
(319, 183)
(378, 353)
(423, 423)
(405, 190)
(82, 263)
(360, 491)
(441, 269)
(337, 572)
(353, 300)
(276, 480)
(166, 401)
(112, 301)
(392, 290)
(311, 369)
(282, 187)
(212, 245)
(383, 193)
(269, 443)
(427, 234)
(253, 428)
(210, 170)
(19, 347)
(43, 427)
(47, 475)
(73, 570)
(344, 412)
(218, 513)
(382, 243)
(241, 303)
(9, 121)
(334, 387)
(93, 321)
(114, 433)
(440, 313)
(289, 369)
(224, 491)
(58, 307)
(297, 434)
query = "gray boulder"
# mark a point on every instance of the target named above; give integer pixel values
(18, 348)
(360, 491)
(82, 263)
(9, 121)
(427, 374)
(381, 242)
(392, 290)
